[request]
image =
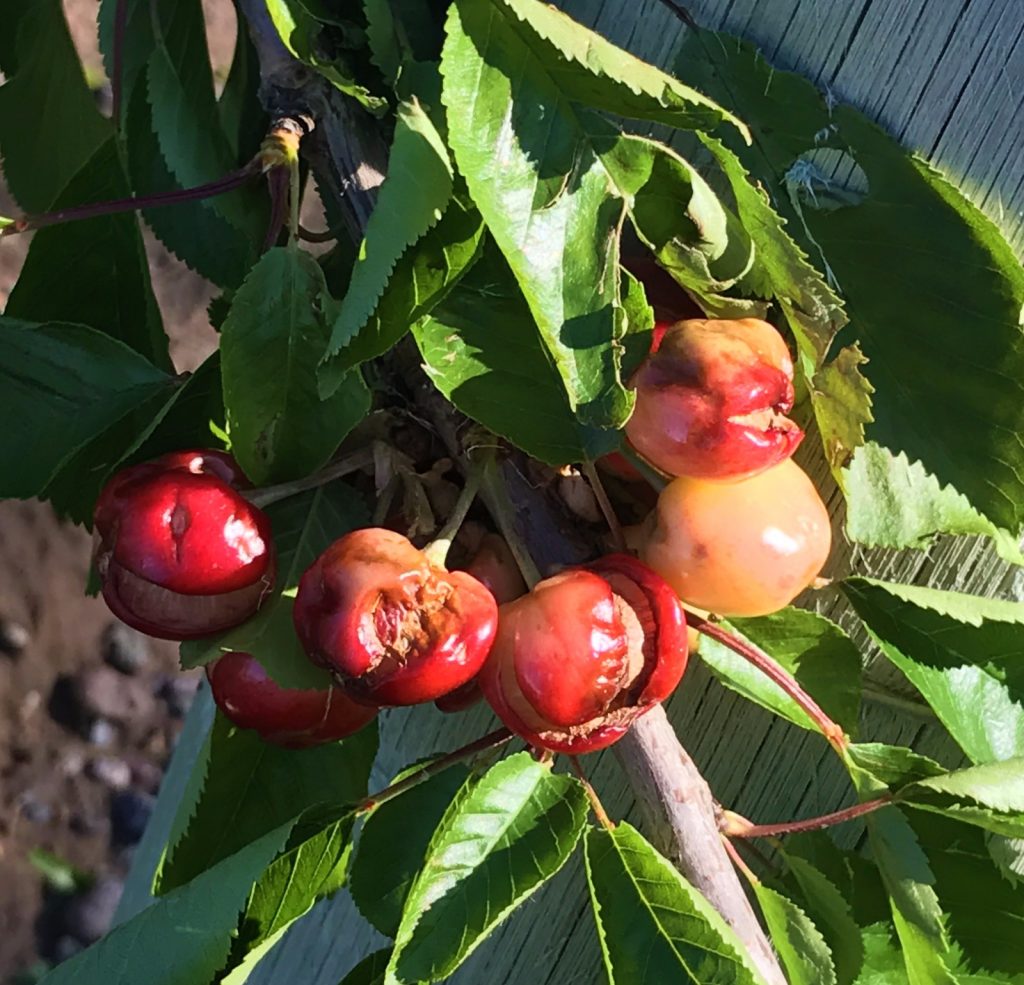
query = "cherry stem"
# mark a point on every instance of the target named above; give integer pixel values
(736, 826)
(277, 182)
(775, 672)
(499, 505)
(437, 550)
(595, 802)
(607, 510)
(229, 182)
(342, 467)
(117, 82)
(739, 863)
(652, 476)
(484, 744)
(295, 196)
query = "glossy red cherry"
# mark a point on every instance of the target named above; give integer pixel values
(393, 628)
(587, 652)
(711, 402)
(295, 718)
(745, 548)
(181, 554)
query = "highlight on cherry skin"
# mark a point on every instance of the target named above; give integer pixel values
(744, 548)
(392, 628)
(585, 653)
(295, 718)
(180, 552)
(711, 401)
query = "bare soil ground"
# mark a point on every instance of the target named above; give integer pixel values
(67, 772)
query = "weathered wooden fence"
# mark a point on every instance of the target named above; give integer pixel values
(946, 77)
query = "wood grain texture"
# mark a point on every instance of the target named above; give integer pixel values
(947, 77)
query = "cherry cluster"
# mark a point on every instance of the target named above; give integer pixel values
(568, 665)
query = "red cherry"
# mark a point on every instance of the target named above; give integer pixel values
(711, 402)
(588, 651)
(295, 718)
(393, 628)
(180, 552)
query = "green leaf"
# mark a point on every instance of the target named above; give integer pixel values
(990, 796)
(299, 29)
(369, 971)
(180, 87)
(412, 199)
(589, 69)
(822, 658)
(252, 786)
(93, 271)
(65, 384)
(242, 117)
(511, 834)
(883, 962)
(196, 234)
(183, 938)
(393, 845)
(49, 124)
(310, 870)
(841, 397)
(482, 351)
(830, 910)
(891, 766)
(910, 883)
(136, 45)
(983, 908)
(304, 526)
(893, 502)
(801, 947)
(59, 875)
(960, 652)
(530, 161)
(654, 927)
(271, 343)
(946, 353)
(423, 276)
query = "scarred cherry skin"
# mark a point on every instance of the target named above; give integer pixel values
(745, 548)
(295, 718)
(585, 653)
(393, 628)
(181, 554)
(711, 402)
(495, 568)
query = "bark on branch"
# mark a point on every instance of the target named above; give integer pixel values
(347, 158)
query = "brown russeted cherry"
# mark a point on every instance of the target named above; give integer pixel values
(295, 718)
(711, 402)
(744, 548)
(393, 628)
(180, 552)
(585, 653)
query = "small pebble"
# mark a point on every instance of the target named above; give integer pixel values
(130, 812)
(178, 691)
(13, 637)
(111, 772)
(102, 733)
(89, 916)
(101, 692)
(35, 810)
(72, 763)
(124, 648)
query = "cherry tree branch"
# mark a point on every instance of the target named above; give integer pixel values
(346, 157)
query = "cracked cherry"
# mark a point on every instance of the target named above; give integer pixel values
(391, 627)
(744, 548)
(711, 402)
(180, 552)
(295, 718)
(585, 653)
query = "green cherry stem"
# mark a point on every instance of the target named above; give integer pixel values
(499, 505)
(734, 825)
(607, 510)
(343, 466)
(775, 672)
(484, 744)
(437, 550)
(595, 802)
(654, 478)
